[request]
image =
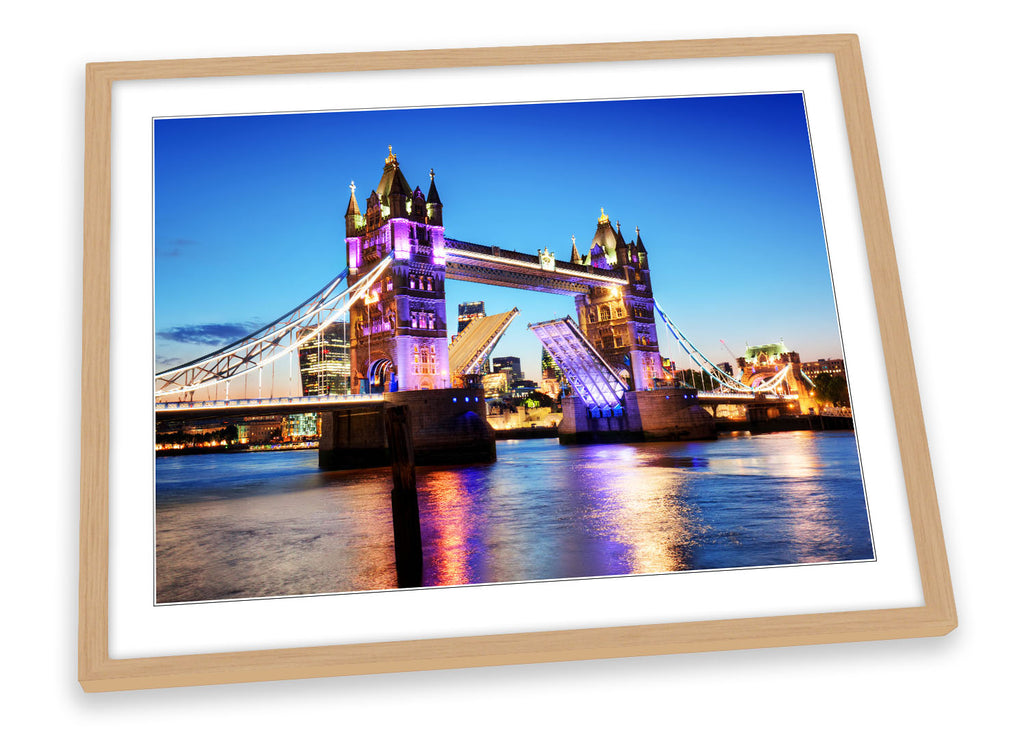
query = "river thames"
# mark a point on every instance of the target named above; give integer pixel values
(247, 525)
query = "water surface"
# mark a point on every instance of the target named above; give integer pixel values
(271, 524)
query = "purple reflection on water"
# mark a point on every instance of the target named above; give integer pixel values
(271, 524)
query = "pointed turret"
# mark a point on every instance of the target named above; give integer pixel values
(575, 258)
(603, 244)
(434, 205)
(393, 190)
(353, 218)
(621, 250)
(641, 254)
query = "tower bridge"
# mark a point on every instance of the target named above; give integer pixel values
(398, 259)
(401, 324)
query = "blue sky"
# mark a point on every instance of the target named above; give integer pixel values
(250, 211)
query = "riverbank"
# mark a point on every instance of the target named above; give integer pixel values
(786, 423)
(240, 448)
(522, 433)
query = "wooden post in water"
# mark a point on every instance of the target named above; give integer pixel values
(405, 510)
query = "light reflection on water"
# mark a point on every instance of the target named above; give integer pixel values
(272, 524)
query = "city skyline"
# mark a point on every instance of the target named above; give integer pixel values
(250, 212)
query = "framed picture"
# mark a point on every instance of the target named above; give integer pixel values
(437, 359)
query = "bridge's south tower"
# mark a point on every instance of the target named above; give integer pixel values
(619, 321)
(399, 335)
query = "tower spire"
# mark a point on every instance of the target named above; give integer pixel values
(353, 218)
(353, 204)
(434, 205)
(639, 243)
(575, 258)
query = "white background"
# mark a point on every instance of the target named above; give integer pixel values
(943, 89)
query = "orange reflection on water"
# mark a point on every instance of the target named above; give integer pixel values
(812, 526)
(641, 510)
(443, 491)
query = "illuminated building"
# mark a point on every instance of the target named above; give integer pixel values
(260, 430)
(301, 426)
(399, 334)
(468, 312)
(834, 366)
(619, 321)
(763, 355)
(324, 361)
(548, 368)
(496, 384)
(510, 365)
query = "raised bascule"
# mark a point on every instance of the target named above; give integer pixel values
(393, 292)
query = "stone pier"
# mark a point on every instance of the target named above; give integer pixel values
(658, 414)
(449, 427)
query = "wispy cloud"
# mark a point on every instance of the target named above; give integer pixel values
(163, 361)
(173, 247)
(212, 334)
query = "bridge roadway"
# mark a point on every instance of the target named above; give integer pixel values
(268, 406)
(737, 398)
(237, 408)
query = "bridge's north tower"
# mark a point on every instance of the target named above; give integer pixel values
(619, 321)
(399, 338)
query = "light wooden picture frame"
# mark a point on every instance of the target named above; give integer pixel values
(99, 671)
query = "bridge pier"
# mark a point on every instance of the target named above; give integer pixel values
(449, 427)
(659, 414)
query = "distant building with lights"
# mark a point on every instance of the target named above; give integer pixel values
(762, 355)
(260, 430)
(468, 312)
(301, 427)
(325, 361)
(510, 365)
(834, 366)
(548, 368)
(523, 388)
(496, 384)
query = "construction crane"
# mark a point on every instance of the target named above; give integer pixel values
(729, 351)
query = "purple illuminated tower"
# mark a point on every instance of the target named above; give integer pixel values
(399, 335)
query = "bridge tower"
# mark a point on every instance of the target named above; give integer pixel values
(399, 337)
(619, 321)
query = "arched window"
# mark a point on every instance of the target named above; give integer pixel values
(606, 313)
